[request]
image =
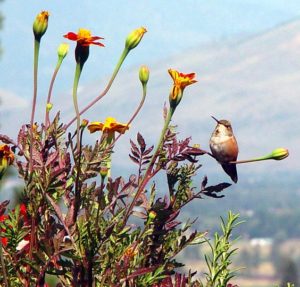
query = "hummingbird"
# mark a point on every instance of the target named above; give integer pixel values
(224, 147)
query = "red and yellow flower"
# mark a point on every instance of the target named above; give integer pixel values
(180, 81)
(6, 158)
(84, 38)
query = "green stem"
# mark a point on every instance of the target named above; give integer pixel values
(35, 72)
(250, 160)
(115, 72)
(47, 120)
(75, 102)
(148, 171)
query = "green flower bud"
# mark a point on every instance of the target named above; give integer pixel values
(49, 107)
(144, 75)
(279, 154)
(62, 50)
(84, 123)
(152, 215)
(40, 25)
(134, 38)
(104, 171)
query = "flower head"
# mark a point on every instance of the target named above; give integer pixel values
(180, 82)
(134, 38)
(40, 25)
(279, 154)
(144, 75)
(84, 38)
(62, 50)
(6, 158)
(110, 125)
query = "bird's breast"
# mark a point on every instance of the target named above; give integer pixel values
(224, 148)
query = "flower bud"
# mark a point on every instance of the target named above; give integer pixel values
(84, 123)
(62, 50)
(152, 215)
(49, 107)
(144, 75)
(279, 154)
(134, 38)
(104, 170)
(40, 25)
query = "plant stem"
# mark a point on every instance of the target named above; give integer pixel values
(35, 72)
(47, 121)
(148, 171)
(115, 72)
(77, 199)
(75, 102)
(249, 160)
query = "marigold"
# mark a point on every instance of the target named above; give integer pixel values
(84, 38)
(134, 38)
(6, 158)
(180, 82)
(40, 24)
(110, 125)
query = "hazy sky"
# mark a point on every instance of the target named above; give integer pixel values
(173, 27)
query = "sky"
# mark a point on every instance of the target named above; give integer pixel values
(173, 27)
(176, 32)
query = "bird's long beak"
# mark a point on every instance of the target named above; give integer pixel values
(215, 119)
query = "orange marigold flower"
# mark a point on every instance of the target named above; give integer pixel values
(84, 38)
(180, 82)
(6, 158)
(110, 125)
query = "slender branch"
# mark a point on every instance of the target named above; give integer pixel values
(148, 171)
(47, 120)
(248, 160)
(35, 72)
(75, 102)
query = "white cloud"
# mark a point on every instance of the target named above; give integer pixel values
(10, 101)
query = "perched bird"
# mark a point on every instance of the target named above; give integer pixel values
(224, 147)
